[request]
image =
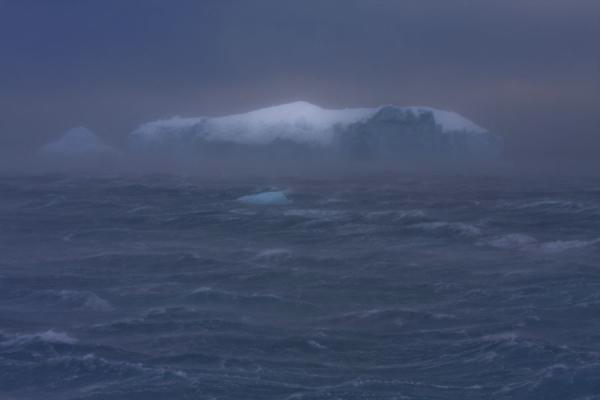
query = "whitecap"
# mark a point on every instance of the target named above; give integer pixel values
(548, 205)
(265, 199)
(208, 292)
(85, 300)
(315, 213)
(316, 345)
(459, 228)
(49, 336)
(520, 241)
(396, 215)
(512, 241)
(506, 337)
(558, 246)
(74, 299)
(273, 253)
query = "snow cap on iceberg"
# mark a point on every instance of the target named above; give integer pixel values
(300, 122)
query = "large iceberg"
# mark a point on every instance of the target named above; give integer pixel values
(304, 132)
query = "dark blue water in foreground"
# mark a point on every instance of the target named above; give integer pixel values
(167, 288)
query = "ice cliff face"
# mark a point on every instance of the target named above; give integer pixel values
(302, 129)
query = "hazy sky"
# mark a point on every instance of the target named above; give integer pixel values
(526, 69)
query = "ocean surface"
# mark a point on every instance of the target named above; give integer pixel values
(170, 288)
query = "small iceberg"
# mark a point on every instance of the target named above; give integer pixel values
(78, 142)
(266, 199)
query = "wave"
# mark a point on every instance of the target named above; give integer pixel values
(460, 228)
(396, 215)
(49, 336)
(208, 293)
(549, 206)
(391, 316)
(76, 299)
(520, 241)
(277, 253)
(512, 241)
(90, 376)
(559, 246)
(317, 214)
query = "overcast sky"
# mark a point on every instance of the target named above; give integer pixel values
(526, 69)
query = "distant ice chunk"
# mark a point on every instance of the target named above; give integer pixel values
(77, 142)
(266, 199)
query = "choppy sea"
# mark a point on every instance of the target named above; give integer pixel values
(171, 288)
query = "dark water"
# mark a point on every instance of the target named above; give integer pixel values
(165, 288)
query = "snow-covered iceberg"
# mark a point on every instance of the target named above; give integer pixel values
(305, 132)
